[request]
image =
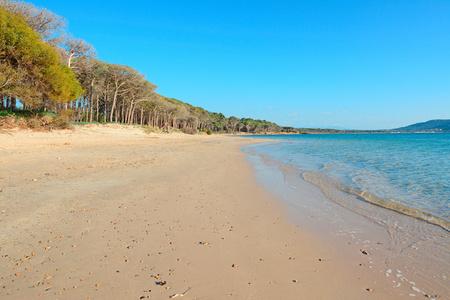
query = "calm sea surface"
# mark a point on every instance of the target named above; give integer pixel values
(405, 172)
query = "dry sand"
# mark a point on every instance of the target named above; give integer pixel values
(109, 212)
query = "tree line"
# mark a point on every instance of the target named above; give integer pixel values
(43, 67)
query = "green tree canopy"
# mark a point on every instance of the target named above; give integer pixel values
(31, 70)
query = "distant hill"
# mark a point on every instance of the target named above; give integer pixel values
(429, 126)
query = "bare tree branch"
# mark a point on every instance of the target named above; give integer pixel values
(50, 26)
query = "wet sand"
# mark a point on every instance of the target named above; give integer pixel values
(109, 212)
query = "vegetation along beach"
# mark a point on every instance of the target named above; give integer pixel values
(308, 156)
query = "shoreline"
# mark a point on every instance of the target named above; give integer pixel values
(354, 225)
(394, 203)
(114, 212)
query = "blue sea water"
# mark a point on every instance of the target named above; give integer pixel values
(389, 193)
(408, 170)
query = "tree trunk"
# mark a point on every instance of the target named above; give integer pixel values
(122, 113)
(133, 115)
(91, 109)
(13, 104)
(105, 114)
(91, 102)
(97, 108)
(83, 109)
(130, 110)
(127, 113)
(113, 107)
(80, 103)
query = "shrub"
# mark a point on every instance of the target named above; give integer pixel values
(36, 120)
(189, 131)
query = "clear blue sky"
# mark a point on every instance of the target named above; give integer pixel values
(350, 64)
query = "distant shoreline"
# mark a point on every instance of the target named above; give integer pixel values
(343, 132)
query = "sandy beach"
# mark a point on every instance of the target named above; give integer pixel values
(110, 212)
